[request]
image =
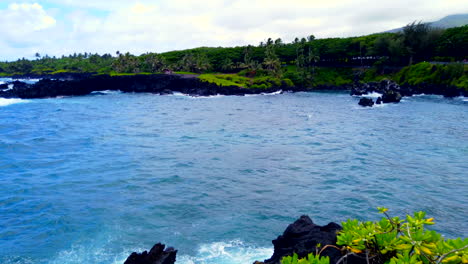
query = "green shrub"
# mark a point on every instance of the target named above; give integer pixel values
(293, 76)
(259, 86)
(397, 241)
(221, 80)
(287, 82)
(425, 72)
(333, 76)
(310, 259)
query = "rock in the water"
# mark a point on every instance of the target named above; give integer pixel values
(157, 255)
(302, 237)
(166, 92)
(366, 102)
(391, 97)
(451, 91)
(379, 100)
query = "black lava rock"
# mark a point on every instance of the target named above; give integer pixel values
(302, 238)
(157, 255)
(391, 97)
(366, 102)
(155, 83)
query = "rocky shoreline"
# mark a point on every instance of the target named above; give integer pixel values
(301, 237)
(393, 93)
(163, 84)
(158, 83)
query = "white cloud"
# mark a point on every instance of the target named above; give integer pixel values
(20, 22)
(146, 25)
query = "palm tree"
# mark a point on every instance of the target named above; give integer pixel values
(227, 64)
(271, 62)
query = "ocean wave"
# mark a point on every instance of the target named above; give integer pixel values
(210, 96)
(28, 81)
(273, 93)
(178, 94)
(372, 95)
(188, 95)
(232, 252)
(10, 101)
(106, 92)
(261, 94)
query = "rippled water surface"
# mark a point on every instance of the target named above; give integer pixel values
(91, 179)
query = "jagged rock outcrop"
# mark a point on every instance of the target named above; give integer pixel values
(391, 96)
(386, 86)
(302, 237)
(366, 102)
(156, 83)
(157, 255)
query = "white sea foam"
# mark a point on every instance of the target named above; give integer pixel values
(188, 95)
(210, 96)
(232, 252)
(261, 94)
(273, 93)
(7, 101)
(372, 95)
(178, 94)
(106, 92)
(10, 87)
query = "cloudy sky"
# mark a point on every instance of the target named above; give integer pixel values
(57, 27)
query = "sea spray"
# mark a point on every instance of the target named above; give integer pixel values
(10, 101)
(232, 252)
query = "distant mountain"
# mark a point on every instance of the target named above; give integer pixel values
(446, 22)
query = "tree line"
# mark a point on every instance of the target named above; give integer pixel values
(417, 42)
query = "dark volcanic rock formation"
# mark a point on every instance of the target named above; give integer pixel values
(391, 96)
(392, 92)
(302, 237)
(156, 83)
(366, 102)
(157, 255)
(83, 84)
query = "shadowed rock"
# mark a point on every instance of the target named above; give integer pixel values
(155, 83)
(157, 255)
(391, 97)
(302, 238)
(366, 102)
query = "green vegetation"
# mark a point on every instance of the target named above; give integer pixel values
(263, 82)
(310, 259)
(305, 62)
(226, 79)
(186, 73)
(394, 241)
(424, 72)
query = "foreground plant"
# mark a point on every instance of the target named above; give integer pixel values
(394, 241)
(310, 259)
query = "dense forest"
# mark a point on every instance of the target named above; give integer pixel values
(305, 61)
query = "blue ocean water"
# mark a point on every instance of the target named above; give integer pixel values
(91, 179)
